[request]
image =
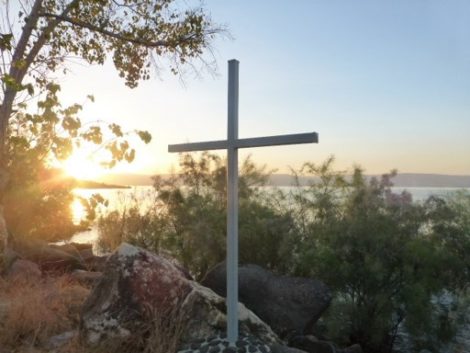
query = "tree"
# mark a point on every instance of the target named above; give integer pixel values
(42, 35)
(384, 256)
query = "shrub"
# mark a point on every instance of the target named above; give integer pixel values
(384, 256)
(188, 218)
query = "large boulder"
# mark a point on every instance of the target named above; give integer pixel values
(83, 251)
(290, 305)
(48, 258)
(139, 288)
(23, 270)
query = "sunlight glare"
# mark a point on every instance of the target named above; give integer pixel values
(78, 211)
(81, 166)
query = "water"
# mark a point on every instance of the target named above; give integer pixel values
(144, 196)
(118, 199)
(422, 193)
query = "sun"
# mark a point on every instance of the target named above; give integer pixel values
(81, 166)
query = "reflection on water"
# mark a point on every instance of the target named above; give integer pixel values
(118, 199)
(78, 211)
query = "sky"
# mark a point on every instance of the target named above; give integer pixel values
(386, 84)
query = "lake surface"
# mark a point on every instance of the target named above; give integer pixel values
(144, 196)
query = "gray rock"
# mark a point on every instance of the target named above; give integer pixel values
(83, 251)
(62, 339)
(96, 263)
(220, 344)
(9, 257)
(311, 344)
(88, 277)
(47, 257)
(278, 348)
(23, 270)
(287, 304)
(355, 348)
(4, 308)
(139, 288)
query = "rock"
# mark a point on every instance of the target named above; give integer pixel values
(96, 263)
(60, 340)
(23, 270)
(4, 308)
(288, 304)
(88, 277)
(139, 288)
(355, 348)
(48, 257)
(86, 254)
(9, 257)
(82, 251)
(220, 344)
(277, 348)
(311, 344)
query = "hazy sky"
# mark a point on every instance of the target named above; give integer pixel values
(386, 84)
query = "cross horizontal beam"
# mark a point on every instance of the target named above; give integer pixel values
(311, 137)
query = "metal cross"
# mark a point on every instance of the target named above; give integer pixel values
(232, 144)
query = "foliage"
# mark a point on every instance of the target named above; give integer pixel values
(384, 256)
(387, 259)
(38, 198)
(189, 219)
(37, 40)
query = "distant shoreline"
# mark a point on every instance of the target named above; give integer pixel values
(400, 180)
(87, 184)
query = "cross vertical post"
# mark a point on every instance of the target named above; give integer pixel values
(232, 204)
(232, 144)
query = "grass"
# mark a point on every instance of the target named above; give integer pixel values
(32, 312)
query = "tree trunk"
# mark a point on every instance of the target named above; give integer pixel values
(3, 232)
(17, 72)
(5, 112)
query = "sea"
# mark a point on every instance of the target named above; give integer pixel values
(144, 196)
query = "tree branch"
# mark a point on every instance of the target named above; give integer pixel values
(45, 34)
(25, 35)
(120, 36)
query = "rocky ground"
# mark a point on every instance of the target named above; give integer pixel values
(65, 299)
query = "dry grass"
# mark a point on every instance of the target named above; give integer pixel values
(31, 312)
(160, 334)
(165, 331)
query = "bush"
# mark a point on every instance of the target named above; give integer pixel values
(384, 256)
(188, 218)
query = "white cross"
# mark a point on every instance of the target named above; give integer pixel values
(232, 144)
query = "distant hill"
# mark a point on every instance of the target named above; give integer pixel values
(126, 179)
(88, 184)
(401, 180)
(432, 180)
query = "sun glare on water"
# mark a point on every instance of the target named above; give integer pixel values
(82, 167)
(78, 211)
